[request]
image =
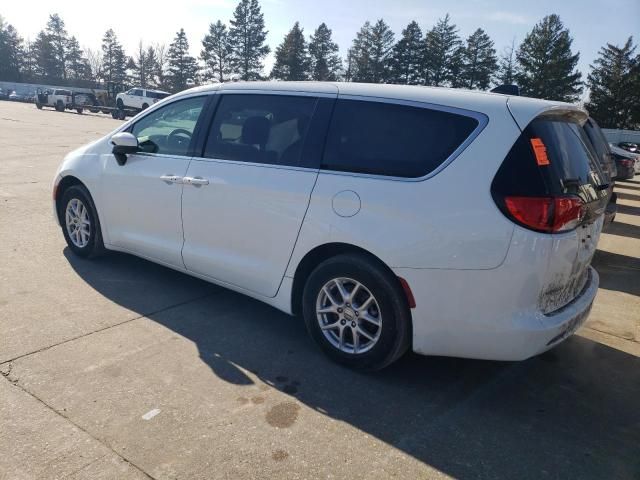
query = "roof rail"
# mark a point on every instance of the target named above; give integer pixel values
(507, 89)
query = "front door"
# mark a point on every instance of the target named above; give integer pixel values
(243, 203)
(141, 199)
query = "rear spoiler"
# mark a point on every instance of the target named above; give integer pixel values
(507, 89)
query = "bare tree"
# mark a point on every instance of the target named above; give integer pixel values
(162, 59)
(94, 57)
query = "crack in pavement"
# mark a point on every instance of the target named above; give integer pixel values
(43, 349)
(6, 368)
(79, 427)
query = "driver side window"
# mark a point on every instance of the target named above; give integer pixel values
(169, 129)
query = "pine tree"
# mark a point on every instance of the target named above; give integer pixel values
(371, 53)
(506, 73)
(247, 37)
(44, 66)
(114, 62)
(479, 61)
(614, 84)
(183, 68)
(152, 66)
(142, 66)
(77, 65)
(359, 56)
(408, 56)
(216, 52)
(292, 59)
(11, 52)
(547, 67)
(58, 39)
(326, 64)
(441, 53)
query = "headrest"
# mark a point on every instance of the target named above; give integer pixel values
(255, 131)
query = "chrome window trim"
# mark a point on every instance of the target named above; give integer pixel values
(253, 164)
(481, 118)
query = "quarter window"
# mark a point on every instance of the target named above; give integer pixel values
(391, 139)
(267, 129)
(169, 129)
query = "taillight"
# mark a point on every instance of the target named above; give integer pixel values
(546, 214)
(627, 163)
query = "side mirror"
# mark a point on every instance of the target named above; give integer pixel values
(124, 143)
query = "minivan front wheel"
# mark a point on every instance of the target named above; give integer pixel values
(79, 221)
(357, 313)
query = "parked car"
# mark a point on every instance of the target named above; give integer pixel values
(625, 162)
(629, 147)
(602, 152)
(4, 95)
(14, 96)
(139, 98)
(363, 208)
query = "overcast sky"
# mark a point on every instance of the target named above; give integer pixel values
(592, 22)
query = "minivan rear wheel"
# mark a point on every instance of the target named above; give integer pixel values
(356, 312)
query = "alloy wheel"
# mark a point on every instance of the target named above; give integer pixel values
(349, 315)
(78, 223)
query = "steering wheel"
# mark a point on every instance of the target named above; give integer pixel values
(176, 137)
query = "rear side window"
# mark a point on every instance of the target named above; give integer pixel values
(391, 139)
(267, 129)
(157, 95)
(552, 157)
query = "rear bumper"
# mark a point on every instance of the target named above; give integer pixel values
(488, 322)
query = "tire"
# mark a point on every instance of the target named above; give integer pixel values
(120, 103)
(59, 106)
(91, 244)
(145, 106)
(79, 110)
(387, 340)
(38, 105)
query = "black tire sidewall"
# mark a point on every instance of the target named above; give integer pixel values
(396, 318)
(95, 245)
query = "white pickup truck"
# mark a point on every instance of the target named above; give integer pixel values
(139, 98)
(58, 98)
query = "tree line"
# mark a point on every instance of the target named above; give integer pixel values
(543, 65)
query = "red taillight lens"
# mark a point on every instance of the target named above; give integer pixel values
(546, 214)
(627, 163)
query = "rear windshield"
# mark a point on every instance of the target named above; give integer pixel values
(63, 92)
(553, 156)
(394, 140)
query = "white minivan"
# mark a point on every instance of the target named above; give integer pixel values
(389, 217)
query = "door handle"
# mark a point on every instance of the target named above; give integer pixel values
(197, 181)
(171, 178)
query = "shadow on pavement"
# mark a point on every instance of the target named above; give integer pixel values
(570, 413)
(623, 229)
(628, 196)
(626, 187)
(618, 272)
(628, 209)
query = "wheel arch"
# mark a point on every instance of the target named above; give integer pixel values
(65, 183)
(319, 254)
